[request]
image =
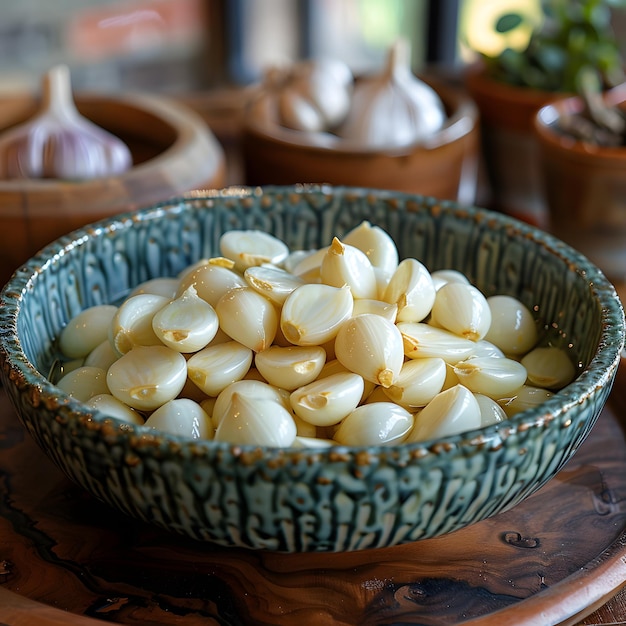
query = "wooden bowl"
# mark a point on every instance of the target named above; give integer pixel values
(443, 166)
(173, 151)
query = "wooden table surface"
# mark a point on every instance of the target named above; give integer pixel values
(557, 558)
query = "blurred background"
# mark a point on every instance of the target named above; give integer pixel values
(194, 45)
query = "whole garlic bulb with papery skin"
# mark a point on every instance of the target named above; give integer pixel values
(311, 96)
(59, 142)
(393, 108)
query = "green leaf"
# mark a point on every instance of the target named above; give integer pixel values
(508, 22)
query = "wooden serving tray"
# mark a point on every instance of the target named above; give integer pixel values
(65, 558)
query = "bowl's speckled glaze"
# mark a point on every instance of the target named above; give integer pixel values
(334, 499)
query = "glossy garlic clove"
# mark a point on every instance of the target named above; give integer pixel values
(213, 368)
(187, 323)
(290, 367)
(371, 346)
(313, 314)
(346, 265)
(412, 289)
(327, 401)
(147, 377)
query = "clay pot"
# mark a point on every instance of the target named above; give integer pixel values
(509, 146)
(173, 152)
(444, 166)
(585, 187)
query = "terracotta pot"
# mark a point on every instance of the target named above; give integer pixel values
(173, 152)
(585, 187)
(444, 166)
(509, 145)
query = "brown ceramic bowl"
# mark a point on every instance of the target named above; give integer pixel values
(508, 143)
(585, 187)
(173, 151)
(443, 166)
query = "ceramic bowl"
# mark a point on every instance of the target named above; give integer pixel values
(444, 165)
(173, 151)
(297, 500)
(585, 187)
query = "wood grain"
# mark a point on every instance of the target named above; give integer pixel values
(67, 559)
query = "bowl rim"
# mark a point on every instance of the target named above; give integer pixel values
(17, 370)
(545, 118)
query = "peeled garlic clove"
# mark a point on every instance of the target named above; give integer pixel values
(377, 307)
(111, 406)
(411, 288)
(256, 421)
(102, 356)
(419, 381)
(490, 411)
(213, 368)
(513, 328)
(308, 268)
(371, 346)
(463, 310)
(84, 382)
(86, 330)
(184, 417)
(272, 282)
(327, 401)
(486, 348)
(491, 376)
(211, 280)
(290, 367)
(451, 412)
(147, 377)
(549, 367)
(423, 340)
(313, 442)
(59, 142)
(334, 366)
(166, 287)
(253, 389)
(526, 397)
(393, 108)
(312, 314)
(252, 247)
(132, 323)
(376, 424)
(377, 245)
(441, 277)
(187, 323)
(347, 265)
(248, 317)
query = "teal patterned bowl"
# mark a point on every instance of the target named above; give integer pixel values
(298, 500)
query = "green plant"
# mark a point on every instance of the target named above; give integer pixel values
(572, 48)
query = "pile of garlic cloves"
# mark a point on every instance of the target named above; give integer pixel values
(321, 100)
(345, 345)
(60, 143)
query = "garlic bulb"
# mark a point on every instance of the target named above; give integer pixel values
(309, 96)
(394, 108)
(59, 142)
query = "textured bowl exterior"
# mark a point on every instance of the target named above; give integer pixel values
(295, 500)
